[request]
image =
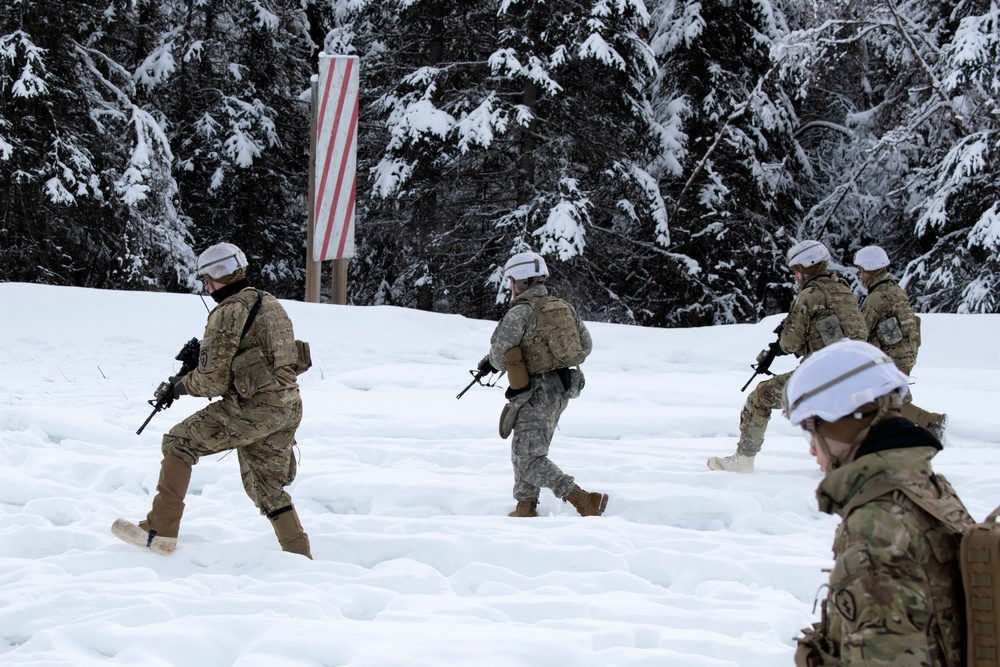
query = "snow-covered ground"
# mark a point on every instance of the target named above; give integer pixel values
(404, 493)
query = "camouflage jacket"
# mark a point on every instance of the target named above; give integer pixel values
(895, 594)
(892, 326)
(259, 363)
(824, 311)
(518, 323)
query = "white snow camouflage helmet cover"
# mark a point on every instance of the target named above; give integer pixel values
(807, 253)
(221, 260)
(871, 258)
(525, 265)
(838, 379)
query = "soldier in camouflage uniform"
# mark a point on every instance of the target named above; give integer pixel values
(824, 311)
(892, 326)
(549, 336)
(895, 593)
(249, 358)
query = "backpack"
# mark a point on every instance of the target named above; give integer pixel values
(980, 563)
(555, 342)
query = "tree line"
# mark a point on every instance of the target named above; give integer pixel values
(662, 155)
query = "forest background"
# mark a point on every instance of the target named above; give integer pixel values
(662, 155)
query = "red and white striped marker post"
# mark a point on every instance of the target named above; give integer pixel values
(332, 172)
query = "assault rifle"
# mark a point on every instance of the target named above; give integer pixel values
(188, 356)
(766, 357)
(477, 378)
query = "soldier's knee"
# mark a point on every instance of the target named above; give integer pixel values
(173, 446)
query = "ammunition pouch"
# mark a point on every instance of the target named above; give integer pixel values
(517, 372)
(889, 332)
(829, 329)
(508, 416)
(573, 381)
(303, 360)
(251, 372)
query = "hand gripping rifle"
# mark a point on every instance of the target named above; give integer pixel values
(188, 356)
(766, 357)
(477, 378)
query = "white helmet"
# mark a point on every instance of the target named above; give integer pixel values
(838, 379)
(221, 260)
(525, 265)
(871, 258)
(807, 253)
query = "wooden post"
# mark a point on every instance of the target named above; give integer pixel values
(314, 269)
(338, 289)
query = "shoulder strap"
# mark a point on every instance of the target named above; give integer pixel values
(253, 313)
(884, 489)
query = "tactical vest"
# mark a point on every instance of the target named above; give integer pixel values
(896, 333)
(838, 317)
(942, 521)
(555, 341)
(267, 353)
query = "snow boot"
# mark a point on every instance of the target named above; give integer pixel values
(932, 421)
(736, 463)
(937, 427)
(288, 529)
(158, 532)
(587, 504)
(525, 508)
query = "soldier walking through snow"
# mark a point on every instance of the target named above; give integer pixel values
(824, 311)
(538, 342)
(249, 357)
(892, 326)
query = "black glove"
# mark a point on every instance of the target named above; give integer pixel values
(776, 346)
(485, 367)
(171, 389)
(178, 382)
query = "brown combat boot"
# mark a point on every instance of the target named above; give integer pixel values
(159, 530)
(526, 508)
(288, 529)
(587, 504)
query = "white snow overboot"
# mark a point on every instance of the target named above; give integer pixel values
(126, 531)
(735, 463)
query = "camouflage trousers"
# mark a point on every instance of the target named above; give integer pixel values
(764, 398)
(533, 429)
(261, 432)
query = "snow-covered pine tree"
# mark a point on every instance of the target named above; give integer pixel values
(231, 79)
(956, 197)
(502, 125)
(88, 197)
(725, 169)
(899, 116)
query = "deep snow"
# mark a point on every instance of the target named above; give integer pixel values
(404, 491)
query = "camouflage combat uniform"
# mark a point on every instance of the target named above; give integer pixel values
(540, 404)
(260, 407)
(893, 328)
(895, 595)
(891, 324)
(807, 328)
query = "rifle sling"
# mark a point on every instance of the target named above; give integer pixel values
(253, 314)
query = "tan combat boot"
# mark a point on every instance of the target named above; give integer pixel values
(525, 508)
(159, 531)
(932, 421)
(736, 463)
(288, 529)
(587, 504)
